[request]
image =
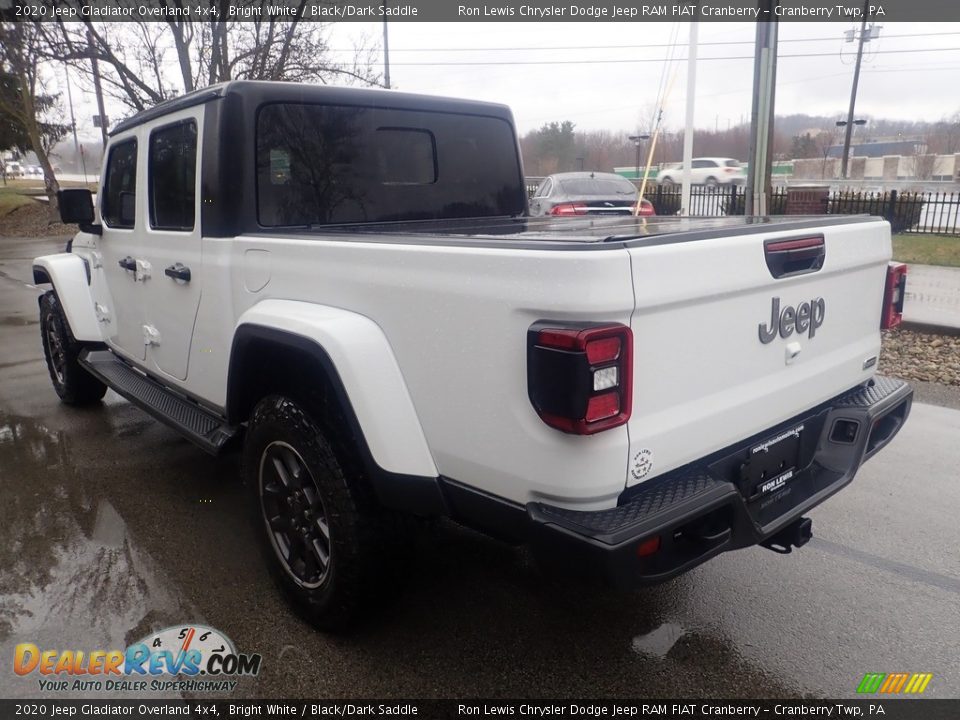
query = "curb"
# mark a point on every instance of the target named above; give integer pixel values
(948, 330)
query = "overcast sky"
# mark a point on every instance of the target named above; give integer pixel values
(910, 72)
(571, 85)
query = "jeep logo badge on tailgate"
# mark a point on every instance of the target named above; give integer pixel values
(805, 318)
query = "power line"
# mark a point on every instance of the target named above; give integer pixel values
(633, 47)
(650, 60)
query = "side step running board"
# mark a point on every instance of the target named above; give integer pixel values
(199, 426)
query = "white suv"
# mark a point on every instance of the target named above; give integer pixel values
(705, 171)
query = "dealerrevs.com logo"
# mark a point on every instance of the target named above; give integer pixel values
(182, 658)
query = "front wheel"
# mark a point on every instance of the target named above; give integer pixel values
(73, 384)
(323, 534)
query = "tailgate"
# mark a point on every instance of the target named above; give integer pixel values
(707, 370)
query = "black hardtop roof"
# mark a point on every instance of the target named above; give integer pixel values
(259, 92)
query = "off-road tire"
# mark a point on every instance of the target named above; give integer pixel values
(362, 535)
(73, 383)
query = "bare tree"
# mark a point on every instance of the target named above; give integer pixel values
(944, 139)
(923, 165)
(25, 101)
(826, 140)
(144, 63)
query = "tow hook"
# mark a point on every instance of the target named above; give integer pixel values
(796, 534)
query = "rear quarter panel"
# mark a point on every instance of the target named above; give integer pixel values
(456, 318)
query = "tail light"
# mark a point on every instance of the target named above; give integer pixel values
(569, 209)
(645, 209)
(893, 295)
(580, 377)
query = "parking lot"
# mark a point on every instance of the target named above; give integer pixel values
(112, 526)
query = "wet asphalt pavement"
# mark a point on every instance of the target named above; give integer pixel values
(112, 526)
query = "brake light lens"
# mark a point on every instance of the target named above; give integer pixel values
(565, 209)
(580, 378)
(894, 292)
(603, 350)
(646, 209)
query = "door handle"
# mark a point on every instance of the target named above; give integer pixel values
(128, 263)
(178, 272)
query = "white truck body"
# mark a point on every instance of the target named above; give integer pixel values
(426, 325)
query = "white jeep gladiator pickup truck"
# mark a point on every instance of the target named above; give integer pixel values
(346, 282)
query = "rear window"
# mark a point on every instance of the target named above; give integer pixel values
(323, 164)
(732, 163)
(172, 176)
(585, 187)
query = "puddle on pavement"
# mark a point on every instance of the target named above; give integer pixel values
(19, 320)
(659, 642)
(71, 574)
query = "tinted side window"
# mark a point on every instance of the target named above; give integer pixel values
(321, 164)
(120, 187)
(702, 164)
(172, 173)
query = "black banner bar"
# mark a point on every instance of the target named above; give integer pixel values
(876, 707)
(480, 10)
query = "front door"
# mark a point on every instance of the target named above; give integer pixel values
(171, 247)
(114, 280)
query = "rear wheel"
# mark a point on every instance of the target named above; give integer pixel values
(325, 538)
(73, 384)
(711, 183)
(668, 183)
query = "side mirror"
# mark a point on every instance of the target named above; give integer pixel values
(76, 206)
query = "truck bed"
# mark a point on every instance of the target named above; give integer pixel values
(554, 233)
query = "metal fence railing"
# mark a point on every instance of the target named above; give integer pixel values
(908, 212)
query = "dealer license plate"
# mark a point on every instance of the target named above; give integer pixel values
(771, 464)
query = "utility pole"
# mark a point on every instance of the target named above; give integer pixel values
(386, 57)
(98, 89)
(761, 126)
(688, 130)
(73, 124)
(853, 94)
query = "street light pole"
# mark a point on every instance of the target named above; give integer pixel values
(73, 124)
(636, 141)
(688, 128)
(97, 89)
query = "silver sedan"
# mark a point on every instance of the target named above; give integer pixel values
(587, 193)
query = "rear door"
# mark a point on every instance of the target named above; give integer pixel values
(701, 170)
(171, 245)
(724, 350)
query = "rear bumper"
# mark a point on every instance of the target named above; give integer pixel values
(713, 505)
